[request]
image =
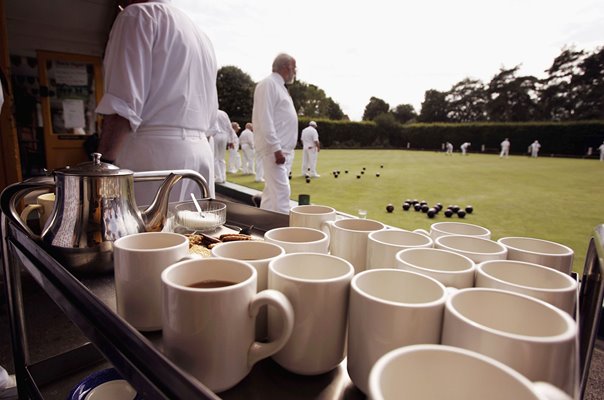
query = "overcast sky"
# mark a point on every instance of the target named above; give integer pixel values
(396, 50)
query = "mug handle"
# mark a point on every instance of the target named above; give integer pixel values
(550, 392)
(326, 227)
(271, 297)
(28, 209)
(422, 231)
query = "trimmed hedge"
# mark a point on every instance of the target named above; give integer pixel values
(556, 138)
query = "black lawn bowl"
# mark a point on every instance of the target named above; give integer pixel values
(406, 206)
(307, 180)
(455, 208)
(461, 214)
(448, 213)
(358, 176)
(389, 208)
(469, 209)
(377, 175)
(425, 208)
(417, 207)
(431, 213)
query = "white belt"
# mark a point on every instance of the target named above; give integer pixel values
(169, 132)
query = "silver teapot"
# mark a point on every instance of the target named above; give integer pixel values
(94, 206)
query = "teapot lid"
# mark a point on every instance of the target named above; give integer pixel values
(94, 168)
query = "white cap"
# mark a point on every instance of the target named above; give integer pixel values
(312, 123)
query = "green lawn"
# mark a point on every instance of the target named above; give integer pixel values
(555, 199)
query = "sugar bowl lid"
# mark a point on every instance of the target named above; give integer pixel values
(94, 168)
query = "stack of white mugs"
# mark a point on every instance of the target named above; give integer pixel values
(448, 313)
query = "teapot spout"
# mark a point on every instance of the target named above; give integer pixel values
(154, 217)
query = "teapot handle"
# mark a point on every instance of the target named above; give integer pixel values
(145, 176)
(12, 196)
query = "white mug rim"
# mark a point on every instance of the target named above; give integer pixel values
(164, 275)
(354, 286)
(569, 333)
(359, 220)
(386, 359)
(436, 226)
(119, 242)
(306, 207)
(324, 235)
(372, 236)
(439, 240)
(472, 264)
(248, 243)
(568, 250)
(273, 268)
(572, 283)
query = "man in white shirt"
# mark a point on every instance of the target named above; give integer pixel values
(464, 148)
(233, 146)
(601, 149)
(505, 148)
(160, 96)
(222, 132)
(449, 149)
(276, 132)
(534, 148)
(246, 141)
(311, 148)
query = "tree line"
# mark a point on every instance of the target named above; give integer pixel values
(573, 90)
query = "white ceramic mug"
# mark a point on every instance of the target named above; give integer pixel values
(444, 372)
(296, 239)
(311, 216)
(139, 260)
(438, 229)
(318, 287)
(539, 251)
(383, 245)
(209, 312)
(529, 335)
(544, 283)
(348, 239)
(258, 254)
(390, 308)
(44, 205)
(449, 268)
(475, 248)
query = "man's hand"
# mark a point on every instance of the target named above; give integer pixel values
(279, 157)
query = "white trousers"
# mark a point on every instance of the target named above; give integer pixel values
(167, 148)
(234, 161)
(276, 193)
(248, 159)
(309, 161)
(259, 164)
(220, 143)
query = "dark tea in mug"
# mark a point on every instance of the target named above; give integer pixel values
(210, 284)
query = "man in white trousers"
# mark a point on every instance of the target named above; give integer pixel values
(222, 132)
(505, 148)
(160, 97)
(233, 146)
(246, 141)
(534, 148)
(311, 147)
(464, 148)
(276, 132)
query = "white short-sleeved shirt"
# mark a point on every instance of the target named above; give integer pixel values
(160, 69)
(309, 136)
(274, 117)
(247, 138)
